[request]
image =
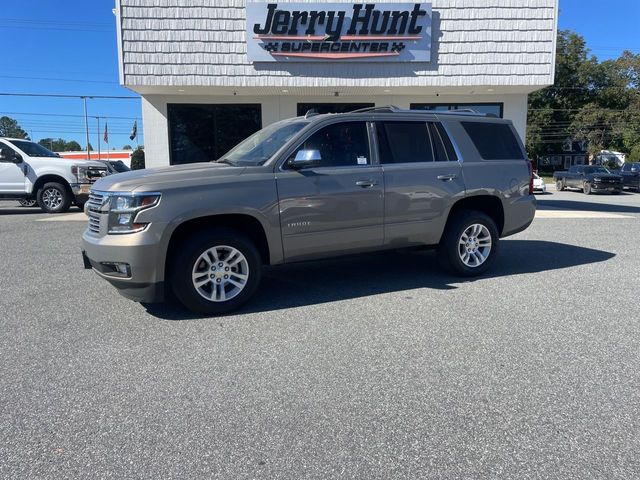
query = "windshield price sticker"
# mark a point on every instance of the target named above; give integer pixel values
(362, 160)
(396, 32)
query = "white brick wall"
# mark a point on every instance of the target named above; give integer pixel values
(202, 43)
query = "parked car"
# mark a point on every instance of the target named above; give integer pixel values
(588, 178)
(630, 173)
(538, 184)
(27, 203)
(28, 172)
(115, 166)
(312, 187)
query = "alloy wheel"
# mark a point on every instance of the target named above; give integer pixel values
(52, 198)
(220, 273)
(474, 245)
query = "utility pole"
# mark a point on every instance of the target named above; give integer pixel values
(86, 126)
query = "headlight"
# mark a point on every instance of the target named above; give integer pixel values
(80, 173)
(597, 179)
(124, 208)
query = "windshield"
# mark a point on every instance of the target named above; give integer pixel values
(261, 146)
(33, 149)
(590, 170)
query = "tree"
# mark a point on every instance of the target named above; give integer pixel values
(137, 159)
(127, 147)
(10, 128)
(72, 146)
(90, 147)
(60, 145)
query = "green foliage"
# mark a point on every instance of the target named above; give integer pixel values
(10, 128)
(60, 145)
(137, 159)
(127, 147)
(596, 102)
(634, 155)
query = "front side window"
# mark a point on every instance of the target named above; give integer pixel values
(340, 145)
(404, 142)
(494, 141)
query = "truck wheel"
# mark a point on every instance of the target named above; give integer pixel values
(215, 272)
(27, 203)
(469, 244)
(559, 185)
(54, 197)
(586, 188)
(80, 205)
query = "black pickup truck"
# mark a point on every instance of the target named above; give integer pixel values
(588, 178)
(631, 175)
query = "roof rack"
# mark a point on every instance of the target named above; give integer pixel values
(394, 109)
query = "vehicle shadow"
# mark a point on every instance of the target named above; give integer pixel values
(318, 282)
(551, 204)
(31, 211)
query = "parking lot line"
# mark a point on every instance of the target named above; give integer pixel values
(577, 214)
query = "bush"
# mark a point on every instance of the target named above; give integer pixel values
(634, 155)
(137, 159)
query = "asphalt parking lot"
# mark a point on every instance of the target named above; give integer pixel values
(376, 366)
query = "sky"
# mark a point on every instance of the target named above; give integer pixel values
(69, 47)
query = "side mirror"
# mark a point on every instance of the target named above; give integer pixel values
(8, 155)
(305, 159)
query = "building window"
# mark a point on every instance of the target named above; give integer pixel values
(321, 108)
(202, 132)
(495, 109)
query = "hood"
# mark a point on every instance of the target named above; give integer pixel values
(158, 179)
(604, 176)
(70, 161)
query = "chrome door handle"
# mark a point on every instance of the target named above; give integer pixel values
(447, 178)
(366, 183)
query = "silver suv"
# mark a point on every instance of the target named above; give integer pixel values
(311, 187)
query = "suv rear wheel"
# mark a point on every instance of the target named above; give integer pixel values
(559, 185)
(215, 272)
(469, 244)
(54, 197)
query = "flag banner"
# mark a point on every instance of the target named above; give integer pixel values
(106, 132)
(134, 130)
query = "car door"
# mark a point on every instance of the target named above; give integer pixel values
(335, 206)
(422, 179)
(12, 179)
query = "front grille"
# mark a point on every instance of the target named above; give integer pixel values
(94, 206)
(94, 222)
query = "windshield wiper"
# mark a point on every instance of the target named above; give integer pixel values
(225, 160)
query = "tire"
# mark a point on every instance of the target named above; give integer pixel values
(54, 197)
(586, 188)
(192, 259)
(28, 203)
(451, 251)
(559, 185)
(80, 205)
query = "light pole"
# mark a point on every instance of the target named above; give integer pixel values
(86, 126)
(98, 119)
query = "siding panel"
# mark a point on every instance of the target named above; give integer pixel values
(202, 43)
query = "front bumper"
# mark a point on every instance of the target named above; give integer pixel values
(140, 251)
(605, 187)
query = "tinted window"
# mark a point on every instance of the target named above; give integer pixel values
(201, 133)
(448, 146)
(340, 144)
(494, 141)
(438, 146)
(303, 108)
(404, 142)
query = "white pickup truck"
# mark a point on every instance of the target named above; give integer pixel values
(29, 172)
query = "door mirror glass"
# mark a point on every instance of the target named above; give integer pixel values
(305, 158)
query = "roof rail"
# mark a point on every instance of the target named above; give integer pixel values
(384, 109)
(311, 113)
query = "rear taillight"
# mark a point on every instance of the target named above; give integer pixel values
(530, 164)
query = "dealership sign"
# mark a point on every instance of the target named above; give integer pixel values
(399, 32)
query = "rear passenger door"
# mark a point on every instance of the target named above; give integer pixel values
(422, 179)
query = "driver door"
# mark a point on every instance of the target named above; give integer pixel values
(335, 206)
(12, 179)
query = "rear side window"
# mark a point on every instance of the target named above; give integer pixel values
(448, 146)
(404, 142)
(494, 141)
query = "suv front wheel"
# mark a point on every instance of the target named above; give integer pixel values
(215, 272)
(469, 244)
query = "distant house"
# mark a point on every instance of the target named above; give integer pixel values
(572, 153)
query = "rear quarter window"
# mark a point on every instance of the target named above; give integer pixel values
(494, 141)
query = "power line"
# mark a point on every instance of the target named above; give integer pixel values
(60, 95)
(77, 80)
(68, 115)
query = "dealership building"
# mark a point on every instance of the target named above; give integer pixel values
(211, 72)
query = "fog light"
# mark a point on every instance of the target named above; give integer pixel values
(116, 269)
